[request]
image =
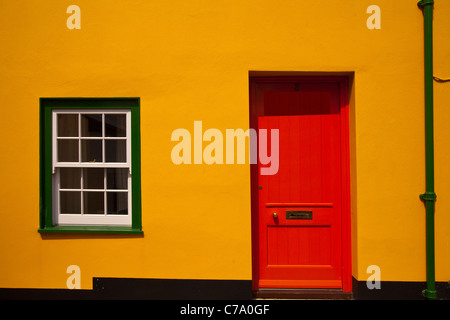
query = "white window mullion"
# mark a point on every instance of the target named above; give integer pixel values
(103, 139)
(56, 202)
(82, 193)
(54, 140)
(91, 165)
(79, 138)
(104, 192)
(128, 134)
(129, 194)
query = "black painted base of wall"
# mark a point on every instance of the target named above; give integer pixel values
(141, 289)
(173, 289)
(398, 290)
(179, 289)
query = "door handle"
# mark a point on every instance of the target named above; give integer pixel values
(275, 215)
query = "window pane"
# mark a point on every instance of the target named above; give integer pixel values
(116, 150)
(117, 202)
(117, 178)
(69, 178)
(91, 125)
(67, 150)
(93, 202)
(115, 125)
(70, 202)
(67, 125)
(91, 151)
(93, 178)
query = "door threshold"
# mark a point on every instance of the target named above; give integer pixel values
(273, 293)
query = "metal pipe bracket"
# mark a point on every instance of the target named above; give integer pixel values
(423, 3)
(428, 196)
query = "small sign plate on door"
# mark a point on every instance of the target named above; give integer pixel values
(299, 215)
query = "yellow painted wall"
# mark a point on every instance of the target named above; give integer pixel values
(190, 60)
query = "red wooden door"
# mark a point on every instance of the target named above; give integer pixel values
(300, 231)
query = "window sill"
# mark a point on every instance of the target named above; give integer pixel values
(90, 229)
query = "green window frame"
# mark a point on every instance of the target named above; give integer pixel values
(47, 222)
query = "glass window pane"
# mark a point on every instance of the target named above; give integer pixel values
(115, 125)
(67, 125)
(67, 150)
(69, 178)
(116, 150)
(70, 202)
(93, 202)
(93, 178)
(117, 202)
(117, 178)
(91, 125)
(91, 151)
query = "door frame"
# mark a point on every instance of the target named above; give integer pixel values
(342, 81)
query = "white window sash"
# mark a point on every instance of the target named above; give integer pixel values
(80, 163)
(90, 219)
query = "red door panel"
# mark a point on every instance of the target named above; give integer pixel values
(300, 239)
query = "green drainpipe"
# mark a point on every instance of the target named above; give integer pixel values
(429, 197)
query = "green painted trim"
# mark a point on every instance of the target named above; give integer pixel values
(87, 103)
(41, 167)
(136, 167)
(91, 229)
(48, 167)
(45, 162)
